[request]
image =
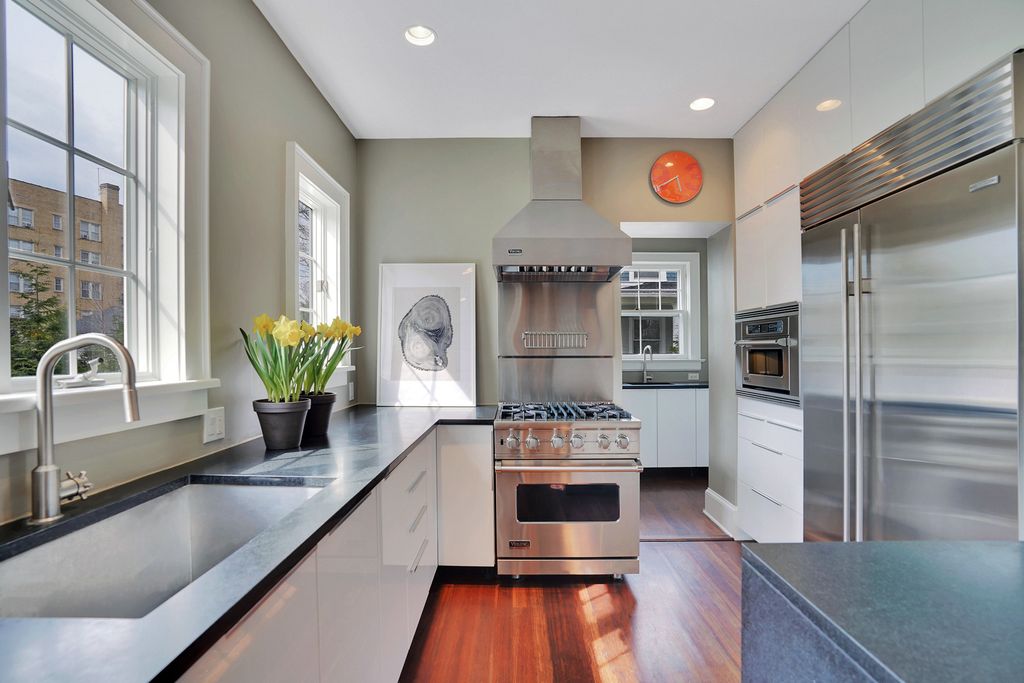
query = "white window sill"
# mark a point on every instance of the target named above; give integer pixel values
(94, 411)
(681, 364)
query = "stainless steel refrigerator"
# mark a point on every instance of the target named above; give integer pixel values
(911, 324)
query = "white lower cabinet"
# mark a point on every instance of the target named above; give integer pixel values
(675, 425)
(348, 584)
(771, 471)
(465, 495)
(275, 641)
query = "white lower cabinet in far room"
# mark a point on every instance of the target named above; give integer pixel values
(465, 493)
(275, 641)
(674, 430)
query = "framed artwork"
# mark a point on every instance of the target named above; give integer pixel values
(426, 350)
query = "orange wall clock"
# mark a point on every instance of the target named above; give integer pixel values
(676, 177)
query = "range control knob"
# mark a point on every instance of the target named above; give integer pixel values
(603, 441)
(576, 441)
(622, 441)
(532, 442)
(512, 441)
(557, 440)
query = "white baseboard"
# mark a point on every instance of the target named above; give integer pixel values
(724, 514)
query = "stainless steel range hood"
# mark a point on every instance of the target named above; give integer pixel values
(557, 237)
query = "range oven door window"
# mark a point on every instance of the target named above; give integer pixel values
(766, 362)
(562, 503)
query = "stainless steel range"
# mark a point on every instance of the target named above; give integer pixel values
(567, 470)
(567, 488)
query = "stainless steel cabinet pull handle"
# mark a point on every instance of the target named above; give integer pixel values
(416, 522)
(770, 450)
(770, 500)
(858, 393)
(419, 556)
(784, 425)
(412, 487)
(582, 468)
(752, 417)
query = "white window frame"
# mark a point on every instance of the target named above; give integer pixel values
(94, 258)
(57, 222)
(21, 243)
(177, 263)
(308, 182)
(58, 251)
(691, 356)
(19, 213)
(90, 290)
(86, 233)
(58, 284)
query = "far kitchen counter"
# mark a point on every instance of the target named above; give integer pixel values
(888, 611)
(364, 444)
(665, 385)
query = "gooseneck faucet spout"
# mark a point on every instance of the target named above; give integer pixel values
(47, 489)
(645, 354)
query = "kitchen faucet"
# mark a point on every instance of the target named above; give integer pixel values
(647, 351)
(47, 489)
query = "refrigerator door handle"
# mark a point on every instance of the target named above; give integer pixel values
(858, 406)
(845, 317)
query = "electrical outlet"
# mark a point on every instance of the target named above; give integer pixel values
(693, 376)
(213, 425)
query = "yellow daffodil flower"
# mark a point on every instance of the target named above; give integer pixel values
(262, 324)
(287, 332)
(323, 329)
(307, 330)
(353, 331)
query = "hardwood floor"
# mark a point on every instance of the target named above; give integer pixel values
(679, 620)
(672, 506)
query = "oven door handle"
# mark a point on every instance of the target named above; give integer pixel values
(782, 341)
(637, 467)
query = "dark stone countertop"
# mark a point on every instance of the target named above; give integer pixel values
(665, 385)
(364, 444)
(909, 610)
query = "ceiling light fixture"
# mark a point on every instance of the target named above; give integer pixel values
(828, 105)
(420, 36)
(702, 103)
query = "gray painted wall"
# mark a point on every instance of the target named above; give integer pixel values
(260, 99)
(722, 363)
(442, 200)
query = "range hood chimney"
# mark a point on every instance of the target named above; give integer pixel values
(557, 237)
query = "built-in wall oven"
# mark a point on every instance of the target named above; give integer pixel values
(767, 353)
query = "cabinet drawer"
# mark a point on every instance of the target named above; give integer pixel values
(785, 437)
(779, 430)
(766, 521)
(777, 476)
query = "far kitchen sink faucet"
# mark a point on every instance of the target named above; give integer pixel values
(647, 352)
(47, 489)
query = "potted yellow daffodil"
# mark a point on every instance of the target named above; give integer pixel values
(324, 349)
(275, 350)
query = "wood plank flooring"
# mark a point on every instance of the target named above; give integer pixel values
(672, 506)
(679, 620)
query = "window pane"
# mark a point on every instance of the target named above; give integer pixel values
(662, 333)
(99, 212)
(100, 308)
(100, 97)
(305, 229)
(38, 313)
(305, 283)
(669, 301)
(38, 188)
(36, 73)
(631, 335)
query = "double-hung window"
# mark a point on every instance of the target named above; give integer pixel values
(660, 296)
(20, 217)
(20, 245)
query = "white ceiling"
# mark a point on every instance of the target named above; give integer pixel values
(629, 69)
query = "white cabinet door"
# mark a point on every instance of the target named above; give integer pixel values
(961, 38)
(780, 157)
(423, 534)
(782, 249)
(824, 135)
(748, 173)
(348, 584)
(643, 404)
(677, 439)
(275, 641)
(702, 427)
(886, 65)
(750, 267)
(465, 495)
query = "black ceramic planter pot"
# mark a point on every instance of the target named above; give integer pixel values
(319, 417)
(281, 423)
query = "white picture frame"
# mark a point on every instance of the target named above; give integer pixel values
(426, 334)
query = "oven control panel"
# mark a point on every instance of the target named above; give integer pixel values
(603, 440)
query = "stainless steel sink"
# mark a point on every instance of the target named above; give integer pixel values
(128, 564)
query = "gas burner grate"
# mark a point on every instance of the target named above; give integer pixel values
(564, 411)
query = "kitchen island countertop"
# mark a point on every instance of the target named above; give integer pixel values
(900, 610)
(364, 444)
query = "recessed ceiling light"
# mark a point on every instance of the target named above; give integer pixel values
(420, 35)
(828, 105)
(702, 103)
